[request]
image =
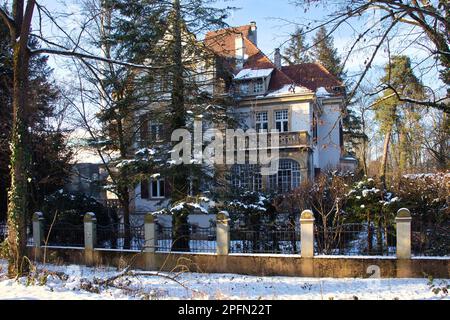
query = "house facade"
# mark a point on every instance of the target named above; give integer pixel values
(304, 103)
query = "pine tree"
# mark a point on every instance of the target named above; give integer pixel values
(296, 52)
(326, 54)
(389, 111)
(49, 153)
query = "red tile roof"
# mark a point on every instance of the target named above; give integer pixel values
(309, 75)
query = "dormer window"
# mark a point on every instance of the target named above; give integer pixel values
(244, 88)
(258, 86)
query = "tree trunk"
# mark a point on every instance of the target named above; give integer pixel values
(384, 159)
(180, 180)
(20, 155)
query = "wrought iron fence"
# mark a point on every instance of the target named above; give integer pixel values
(121, 236)
(430, 240)
(188, 238)
(3, 231)
(265, 238)
(354, 239)
(64, 234)
(30, 238)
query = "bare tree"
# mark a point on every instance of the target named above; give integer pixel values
(426, 25)
(19, 24)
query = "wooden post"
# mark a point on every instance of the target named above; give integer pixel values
(223, 234)
(90, 237)
(403, 221)
(307, 234)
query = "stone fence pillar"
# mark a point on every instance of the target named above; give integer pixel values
(223, 234)
(90, 237)
(403, 221)
(150, 233)
(38, 233)
(151, 241)
(307, 234)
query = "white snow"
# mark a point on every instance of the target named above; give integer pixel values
(209, 286)
(287, 90)
(322, 92)
(253, 74)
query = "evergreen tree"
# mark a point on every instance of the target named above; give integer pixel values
(296, 51)
(163, 34)
(50, 155)
(389, 110)
(326, 54)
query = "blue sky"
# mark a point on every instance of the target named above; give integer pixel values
(275, 20)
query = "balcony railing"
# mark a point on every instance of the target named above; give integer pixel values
(294, 139)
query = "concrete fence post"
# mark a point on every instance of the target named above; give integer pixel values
(223, 234)
(403, 221)
(150, 233)
(151, 241)
(90, 237)
(38, 233)
(307, 234)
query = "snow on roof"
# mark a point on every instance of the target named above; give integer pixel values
(286, 90)
(253, 74)
(322, 92)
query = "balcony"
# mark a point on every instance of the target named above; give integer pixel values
(295, 139)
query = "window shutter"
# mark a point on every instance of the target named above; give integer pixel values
(145, 194)
(144, 128)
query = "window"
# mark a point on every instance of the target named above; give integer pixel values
(262, 121)
(246, 177)
(156, 130)
(244, 88)
(258, 86)
(158, 188)
(288, 177)
(282, 120)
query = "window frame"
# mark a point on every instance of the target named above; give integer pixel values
(263, 122)
(161, 191)
(258, 86)
(282, 124)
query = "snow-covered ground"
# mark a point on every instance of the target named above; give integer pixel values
(83, 283)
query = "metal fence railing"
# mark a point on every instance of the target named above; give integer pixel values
(3, 232)
(430, 240)
(276, 239)
(121, 236)
(354, 239)
(189, 238)
(63, 234)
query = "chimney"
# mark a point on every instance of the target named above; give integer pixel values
(253, 34)
(277, 58)
(239, 51)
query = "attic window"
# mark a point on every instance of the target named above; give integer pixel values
(244, 88)
(258, 86)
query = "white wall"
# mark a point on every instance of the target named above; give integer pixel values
(301, 117)
(148, 205)
(328, 144)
